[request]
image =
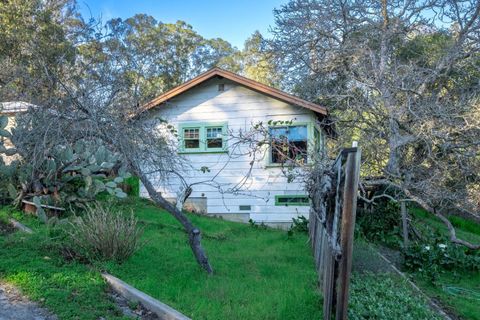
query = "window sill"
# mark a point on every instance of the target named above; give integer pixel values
(203, 152)
(279, 165)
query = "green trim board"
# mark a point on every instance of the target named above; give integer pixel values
(203, 137)
(292, 200)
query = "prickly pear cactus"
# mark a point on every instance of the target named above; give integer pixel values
(7, 171)
(78, 173)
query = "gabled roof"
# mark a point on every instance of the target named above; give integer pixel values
(251, 84)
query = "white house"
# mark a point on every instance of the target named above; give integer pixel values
(209, 107)
(11, 110)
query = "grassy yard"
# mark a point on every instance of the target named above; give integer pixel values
(32, 262)
(459, 292)
(259, 273)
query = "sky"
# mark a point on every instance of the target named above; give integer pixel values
(231, 20)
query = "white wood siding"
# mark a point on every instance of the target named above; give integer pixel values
(240, 107)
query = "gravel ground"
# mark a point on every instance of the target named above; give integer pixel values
(15, 306)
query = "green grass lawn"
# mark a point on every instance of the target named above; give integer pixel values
(33, 263)
(458, 292)
(258, 273)
(465, 229)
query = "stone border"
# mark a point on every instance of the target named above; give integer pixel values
(19, 226)
(162, 310)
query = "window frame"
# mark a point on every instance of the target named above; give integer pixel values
(293, 204)
(311, 127)
(202, 126)
(199, 139)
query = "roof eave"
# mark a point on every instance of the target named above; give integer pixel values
(251, 84)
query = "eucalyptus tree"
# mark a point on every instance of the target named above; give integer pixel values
(156, 56)
(403, 77)
(47, 26)
(258, 62)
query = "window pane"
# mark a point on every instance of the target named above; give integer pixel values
(297, 150)
(214, 137)
(278, 132)
(191, 136)
(297, 133)
(214, 132)
(289, 143)
(292, 200)
(214, 143)
(279, 151)
(192, 144)
(191, 133)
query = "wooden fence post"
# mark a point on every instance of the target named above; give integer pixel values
(352, 175)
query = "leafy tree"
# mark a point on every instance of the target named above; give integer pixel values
(154, 57)
(257, 61)
(32, 30)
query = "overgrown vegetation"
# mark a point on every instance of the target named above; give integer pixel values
(102, 233)
(435, 255)
(377, 296)
(299, 224)
(433, 261)
(381, 223)
(35, 264)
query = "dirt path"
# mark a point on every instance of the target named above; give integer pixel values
(15, 306)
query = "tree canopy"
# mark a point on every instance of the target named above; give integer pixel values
(402, 77)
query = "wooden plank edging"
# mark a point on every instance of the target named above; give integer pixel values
(44, 206)
(19, 226)
(162, 310)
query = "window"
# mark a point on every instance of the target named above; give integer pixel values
(215, 137)
(202, 137)
(292, 200)
(191, 138)
(244, 207)
(289, 143)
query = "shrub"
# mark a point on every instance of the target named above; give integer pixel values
(382, 224)
(300, 225)
(102, 234)
(133, 186)
(437, 254)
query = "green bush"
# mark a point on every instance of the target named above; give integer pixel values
(300, 224)
(103, 234)
(380, 225)
(133, 186)
(437, 254)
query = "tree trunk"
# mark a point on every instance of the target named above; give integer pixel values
(194, 234)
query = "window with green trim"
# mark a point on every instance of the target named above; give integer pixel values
(289, 143)
(292, 200)
(203, 137)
